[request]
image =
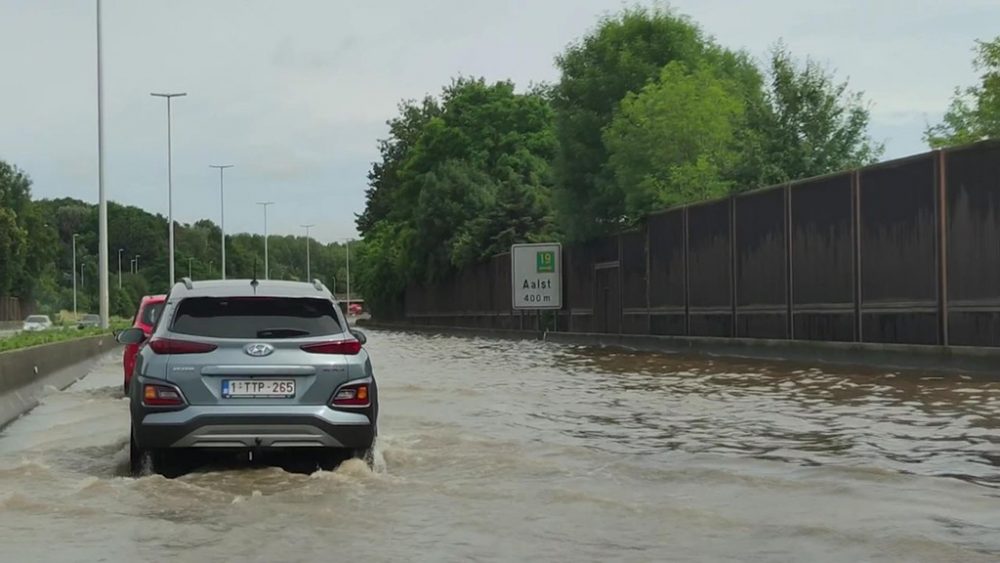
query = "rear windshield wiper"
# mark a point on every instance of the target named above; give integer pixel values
(282, 333)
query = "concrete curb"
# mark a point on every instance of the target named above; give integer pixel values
(507, 334)
(943, 359)
(890, 356)
(25, 373)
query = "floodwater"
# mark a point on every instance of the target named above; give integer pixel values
(530, 451)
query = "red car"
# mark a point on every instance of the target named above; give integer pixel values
(145, 318)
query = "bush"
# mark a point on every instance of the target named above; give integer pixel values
(29, 339)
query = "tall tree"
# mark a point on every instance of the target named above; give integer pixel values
(810, 125)
(383, 178)
(674, 142)
(620, 56)
(974, 113)
(437, 183)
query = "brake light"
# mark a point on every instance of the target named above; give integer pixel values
(171, 346)
(352, 396)
(347, 347)
(161, 396)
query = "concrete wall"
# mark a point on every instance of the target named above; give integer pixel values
(25, 373)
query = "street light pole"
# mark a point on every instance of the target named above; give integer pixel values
(137, 263)
(74, 274)
(222, 212)
(308, 265)
(120, 250)
(348, 276)
(265, 204)
(102, 205)
(170, 182)
(189, 268)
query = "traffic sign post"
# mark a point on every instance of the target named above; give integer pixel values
(536, 276)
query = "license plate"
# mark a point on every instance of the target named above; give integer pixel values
(270, 388)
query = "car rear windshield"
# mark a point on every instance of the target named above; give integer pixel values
(36, 319)
(255, 317)
(151, 314)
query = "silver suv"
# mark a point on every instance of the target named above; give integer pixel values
(254, 367)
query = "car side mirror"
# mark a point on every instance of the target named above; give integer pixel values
(362, 337)
(131, 336)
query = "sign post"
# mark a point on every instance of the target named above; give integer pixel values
(536, 276)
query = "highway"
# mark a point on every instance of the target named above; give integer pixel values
(495, 450)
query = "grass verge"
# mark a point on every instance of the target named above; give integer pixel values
(29, 339)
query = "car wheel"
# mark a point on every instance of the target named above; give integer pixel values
(367, 455)
(138, 458)
(160, 461)
(331, 458)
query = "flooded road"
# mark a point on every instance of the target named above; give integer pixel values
(531, 451)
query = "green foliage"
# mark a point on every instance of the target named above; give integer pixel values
(810, 125)
(25, 238)
(29, 339)
(619, 57)
(44, 266)
(674, 141)
(974, 113)
(453, 172)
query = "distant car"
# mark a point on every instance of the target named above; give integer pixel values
(89, 321)
(149, 311)
(35, 323)
(354, 309)
(251, 367)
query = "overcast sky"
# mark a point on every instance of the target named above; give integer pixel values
(295, 93)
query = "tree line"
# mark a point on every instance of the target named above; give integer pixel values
(36, 251)
(648, 112)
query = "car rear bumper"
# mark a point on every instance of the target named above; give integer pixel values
(228, 427)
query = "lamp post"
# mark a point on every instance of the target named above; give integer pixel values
(308, 265)
(348, 276)
(222, 212)
(74, 273)
(137, 263)
(102, 205)
(120, 250)
(170, 180)
(189, 268)
(265, 204)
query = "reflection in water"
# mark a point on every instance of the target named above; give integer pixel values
(504, 450)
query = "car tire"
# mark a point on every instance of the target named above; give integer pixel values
(366, 455)
(159, 461)
(168, 463)
(138, 458)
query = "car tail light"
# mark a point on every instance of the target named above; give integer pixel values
(355, 395)
(170, 346)
(348, 347)
(161, 396)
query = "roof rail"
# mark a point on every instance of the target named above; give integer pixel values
(187, 283)
(318, 284)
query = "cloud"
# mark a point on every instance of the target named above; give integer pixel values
(287, 55)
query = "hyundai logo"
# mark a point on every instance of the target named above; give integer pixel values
(259, 349)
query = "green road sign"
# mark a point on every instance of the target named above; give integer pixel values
(545, 261)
